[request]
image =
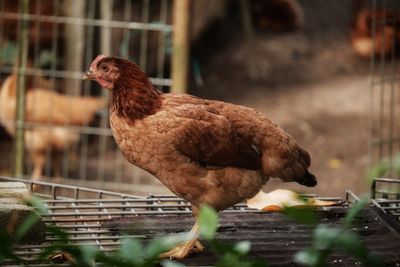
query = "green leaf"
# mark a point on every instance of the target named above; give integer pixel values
(354, 211)
(8, 52)
(324, 237)
(350, 242)
(27, 225)
(168, 263)
(234, 260)
(32, 219)
(309, 257)
(221, 247)
(84, 255)
(230, 260)
(57, 232)
(301, 215)
(38, 204)
(242, 248)
(208, 220)
(383, 168)
(132, 250)
(161, 245)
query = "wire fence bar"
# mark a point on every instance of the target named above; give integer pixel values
(155, 26)
(21, 87)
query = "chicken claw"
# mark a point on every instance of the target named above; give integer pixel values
(183, 250)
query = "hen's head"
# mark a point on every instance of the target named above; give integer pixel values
(133, 94)
(104, 70)
(111, 72)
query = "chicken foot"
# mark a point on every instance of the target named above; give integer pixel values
(184, 249)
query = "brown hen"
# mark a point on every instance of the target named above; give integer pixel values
(47, 108)
(375, 33)
(204, 151)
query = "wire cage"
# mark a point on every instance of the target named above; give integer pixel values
(384, 21)
(63, 37)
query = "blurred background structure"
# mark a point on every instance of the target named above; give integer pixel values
(384, 22)
(326, 71)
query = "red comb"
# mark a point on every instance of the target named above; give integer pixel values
(97, 59)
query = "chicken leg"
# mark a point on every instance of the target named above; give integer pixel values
(184, 249)
(38, 161)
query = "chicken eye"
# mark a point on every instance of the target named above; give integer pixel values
(104, 67)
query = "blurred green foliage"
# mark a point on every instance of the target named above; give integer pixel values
(382, 168)
(303, 215)
(208, 220)
(8, 52)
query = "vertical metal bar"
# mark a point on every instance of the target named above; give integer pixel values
(2, 21)
(124, 49)
(36, 53)
(11, 160)
(373, 189)
(181, 47)
(106, 13)
(74, 47)
(21, 84)
(391, 99)
(74, 34)
(371, 89)
(382, 89)
(89, 57)
(395, 120)
(106, 8)
(246, 19)
(144, 35)
(35, 64)
(161, 40)
(53, 67)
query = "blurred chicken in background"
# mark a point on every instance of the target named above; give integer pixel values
(375, 32)
(51, 109)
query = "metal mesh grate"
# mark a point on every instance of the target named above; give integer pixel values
(386, 197)
(84, 213)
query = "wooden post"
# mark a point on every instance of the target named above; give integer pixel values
(74, 43)
(105, 37)
(22, 59)
(181, 46)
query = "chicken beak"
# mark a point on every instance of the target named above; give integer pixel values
(88, 75)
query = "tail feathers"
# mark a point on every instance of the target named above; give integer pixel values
(308, 180)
